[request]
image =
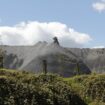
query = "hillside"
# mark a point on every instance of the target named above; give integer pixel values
(60, 60)
(91, 88)
(24, 88)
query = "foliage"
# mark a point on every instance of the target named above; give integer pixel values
(23, 88)
(91, 88)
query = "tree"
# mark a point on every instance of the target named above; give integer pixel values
(77, 68)
(1, 58)
(1, 53)
(44, 66)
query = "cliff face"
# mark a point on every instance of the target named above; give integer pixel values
(59, 59)
(93, 58)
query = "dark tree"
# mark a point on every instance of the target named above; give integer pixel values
(44, 66)
(77, 68)
(1, 58)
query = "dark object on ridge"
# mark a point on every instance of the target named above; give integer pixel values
(44, 66)
(56, 40)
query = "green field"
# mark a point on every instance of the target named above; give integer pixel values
(24, 88)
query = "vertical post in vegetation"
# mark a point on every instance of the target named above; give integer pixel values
(1, 58)
(78, 68)
(1, 53)
(44, 66)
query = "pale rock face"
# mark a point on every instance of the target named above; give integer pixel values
(60, 60)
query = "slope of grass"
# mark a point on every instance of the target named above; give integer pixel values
(91, 88)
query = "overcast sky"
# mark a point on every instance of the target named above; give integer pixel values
(76, 23)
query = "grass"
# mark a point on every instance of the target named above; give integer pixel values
(91, 88)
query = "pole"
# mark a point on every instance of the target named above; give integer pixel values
(78, 68)
(1, 53)
(44, 66)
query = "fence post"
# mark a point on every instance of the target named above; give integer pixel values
(44, 66)
(78, 68)
(1, 58)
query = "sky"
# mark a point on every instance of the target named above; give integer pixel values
(76, 23)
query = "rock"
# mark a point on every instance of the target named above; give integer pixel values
(60, 60)
(56, 40)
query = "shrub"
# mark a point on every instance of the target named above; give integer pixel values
(32, 89)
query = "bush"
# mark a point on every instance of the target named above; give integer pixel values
(28, 89)
(95, 87)
(90, 88)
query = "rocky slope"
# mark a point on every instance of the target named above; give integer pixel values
(59, 59)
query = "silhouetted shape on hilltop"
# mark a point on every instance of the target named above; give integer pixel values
(56, 40)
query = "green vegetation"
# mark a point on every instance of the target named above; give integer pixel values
(24, 88)
(91, 88)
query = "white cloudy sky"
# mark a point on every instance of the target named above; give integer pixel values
(99, 5)
(29, 33)
(76, 23)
